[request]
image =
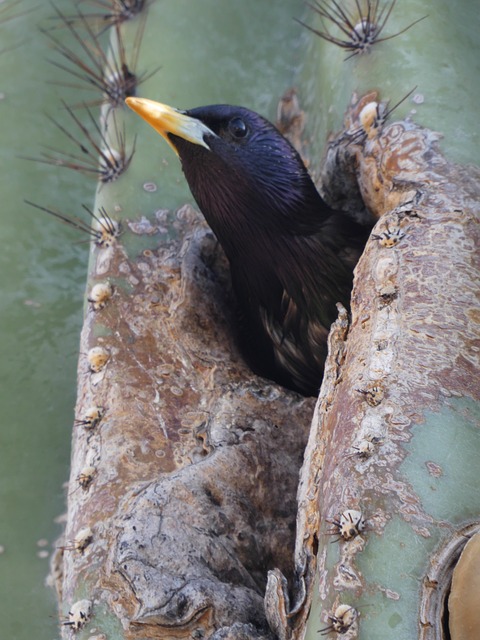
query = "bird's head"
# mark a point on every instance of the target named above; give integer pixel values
(242, 172)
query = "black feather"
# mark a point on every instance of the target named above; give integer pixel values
(291, 256)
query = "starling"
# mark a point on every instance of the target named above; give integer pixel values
(291, 256)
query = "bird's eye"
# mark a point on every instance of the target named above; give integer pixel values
(237, 128)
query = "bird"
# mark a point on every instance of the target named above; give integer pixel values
(291, 256)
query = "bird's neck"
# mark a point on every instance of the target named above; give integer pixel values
(250, 217)
(266, 256)
(263, 225)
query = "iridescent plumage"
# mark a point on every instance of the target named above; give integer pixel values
(291, 256)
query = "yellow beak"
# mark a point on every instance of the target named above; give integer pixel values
(165, 120)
